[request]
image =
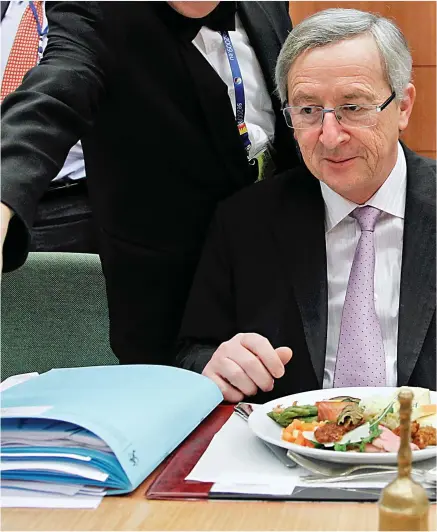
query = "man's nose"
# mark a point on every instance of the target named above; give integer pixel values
(333, 134)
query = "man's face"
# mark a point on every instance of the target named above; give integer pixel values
(354, 162)
(194, 9)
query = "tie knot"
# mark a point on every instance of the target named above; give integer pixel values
(366, 216)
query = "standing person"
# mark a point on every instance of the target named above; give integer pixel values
(63, 221)
(175, 106)
(325, 276)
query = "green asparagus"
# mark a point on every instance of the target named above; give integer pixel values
(286, 416)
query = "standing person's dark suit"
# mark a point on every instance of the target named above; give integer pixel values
(274, 274)
(63, 220)
(160, 141)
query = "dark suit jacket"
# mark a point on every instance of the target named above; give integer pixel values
(161, 148)
(264, 270)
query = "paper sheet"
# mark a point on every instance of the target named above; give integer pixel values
(236, 455)
(19, 499)
(47, 432)
(17, 379)
(237, 460)
(80, 470)
(44, 487)
(58, 488)
(47, 455)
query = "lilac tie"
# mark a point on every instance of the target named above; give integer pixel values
(360, 354)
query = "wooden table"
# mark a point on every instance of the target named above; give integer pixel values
(135, 512)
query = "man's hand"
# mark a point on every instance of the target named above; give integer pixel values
(6, 215)
(245, 363)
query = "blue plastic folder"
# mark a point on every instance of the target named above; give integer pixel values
(106, 426)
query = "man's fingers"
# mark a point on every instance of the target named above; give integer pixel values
(230, 394)
(232, 372)
(262, 348)
(285, 354)
(246, 363)
(252, 367)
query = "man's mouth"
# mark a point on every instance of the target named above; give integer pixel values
(341, 160)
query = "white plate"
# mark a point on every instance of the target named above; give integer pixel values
(266, 429)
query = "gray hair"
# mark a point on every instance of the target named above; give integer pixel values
(333, 25)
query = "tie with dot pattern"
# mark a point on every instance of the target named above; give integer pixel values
(360, 354)
(24, 52)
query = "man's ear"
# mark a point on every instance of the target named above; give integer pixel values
(406, 106)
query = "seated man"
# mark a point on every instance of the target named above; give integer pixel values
(335, 259)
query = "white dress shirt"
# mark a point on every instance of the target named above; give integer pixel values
(74, 166)
(342, 233)
(259, 116)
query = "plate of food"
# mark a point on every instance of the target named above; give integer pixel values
(348, 425)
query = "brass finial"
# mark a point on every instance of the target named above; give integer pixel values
(403, 504)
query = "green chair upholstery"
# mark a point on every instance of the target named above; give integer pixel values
(54, 314)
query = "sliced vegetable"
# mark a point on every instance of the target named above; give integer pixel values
(351, 414)
(330, 410)
(346, 398)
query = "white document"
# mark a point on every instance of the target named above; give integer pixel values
(44, 487)
(17, 379)
(11, 498)
(236, 455)
(52, 455)
(36, 432)
(53, 487)
(239, 461)
(252, 489)
(80, 470)
(14, 411)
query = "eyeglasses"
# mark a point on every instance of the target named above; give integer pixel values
(351, 115)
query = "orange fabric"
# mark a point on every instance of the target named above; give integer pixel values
(24, 51)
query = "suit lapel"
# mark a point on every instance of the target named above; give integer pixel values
(221, 128)
(299, 231)
(263, 38)
(4, 8)
(417, 291)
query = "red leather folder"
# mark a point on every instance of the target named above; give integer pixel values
(171, 483)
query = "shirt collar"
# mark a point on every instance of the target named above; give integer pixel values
(390, 197)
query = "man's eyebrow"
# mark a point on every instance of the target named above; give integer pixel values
(359, 95)
(303, 99)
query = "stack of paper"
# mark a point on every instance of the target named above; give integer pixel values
(71, 436)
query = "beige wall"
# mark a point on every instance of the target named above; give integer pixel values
(417, 20)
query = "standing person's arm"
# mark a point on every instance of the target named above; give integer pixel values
(54, 107)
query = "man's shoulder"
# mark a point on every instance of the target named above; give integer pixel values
(421, 175)
(277, 14)
(275, 8)
(266, 197)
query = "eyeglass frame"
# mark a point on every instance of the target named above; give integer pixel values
(325, 110)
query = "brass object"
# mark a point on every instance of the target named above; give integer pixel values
(403, 504)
